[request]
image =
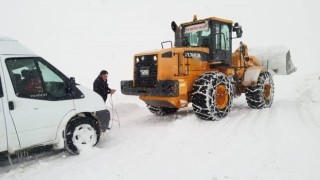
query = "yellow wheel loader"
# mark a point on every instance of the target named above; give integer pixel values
(200, 69)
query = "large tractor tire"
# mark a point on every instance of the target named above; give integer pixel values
(261, 95)
(162, 111)
(212, 96)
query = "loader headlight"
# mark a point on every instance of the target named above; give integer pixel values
(137, 59)
(155, 58)
(142, 58)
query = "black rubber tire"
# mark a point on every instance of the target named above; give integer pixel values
(162, 111)
(203, 96)
(71, 127)
(255, 94)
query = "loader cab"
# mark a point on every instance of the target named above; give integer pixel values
(212, 33)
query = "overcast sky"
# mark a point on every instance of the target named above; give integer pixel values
(81, 37)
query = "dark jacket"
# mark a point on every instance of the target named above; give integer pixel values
(101, 87)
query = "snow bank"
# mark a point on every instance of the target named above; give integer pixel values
(309, 91)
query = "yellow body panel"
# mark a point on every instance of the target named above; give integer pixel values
(185, 70)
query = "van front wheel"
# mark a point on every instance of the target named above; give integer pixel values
(81, 133)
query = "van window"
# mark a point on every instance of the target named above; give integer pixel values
(54, 84)
(26, 79)
(36, 79)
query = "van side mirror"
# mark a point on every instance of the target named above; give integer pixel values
(71, 85)
(238, 29)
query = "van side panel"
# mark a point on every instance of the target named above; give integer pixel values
(59, 141)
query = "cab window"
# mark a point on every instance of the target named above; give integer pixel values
(218, 37)
(222, 37)
(197, 35)
(225, 45)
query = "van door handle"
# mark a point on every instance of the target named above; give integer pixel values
(11, 105)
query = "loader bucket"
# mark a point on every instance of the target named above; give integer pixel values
(276, 59)
(289, 65)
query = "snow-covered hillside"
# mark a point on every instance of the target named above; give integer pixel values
(278, 143)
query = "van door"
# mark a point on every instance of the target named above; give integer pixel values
(40, 99)
(3, 132)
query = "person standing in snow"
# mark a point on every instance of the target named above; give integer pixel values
(101, 86)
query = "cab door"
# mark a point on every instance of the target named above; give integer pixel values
(38, 98)
(222, 42)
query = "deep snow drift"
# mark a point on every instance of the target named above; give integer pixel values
(277, 143)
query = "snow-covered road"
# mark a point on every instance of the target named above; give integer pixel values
(278, 143)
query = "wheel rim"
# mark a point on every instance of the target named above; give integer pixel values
(222, 97)
(267, 91)
(84, 136)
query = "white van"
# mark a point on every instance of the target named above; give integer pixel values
(39, 105)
